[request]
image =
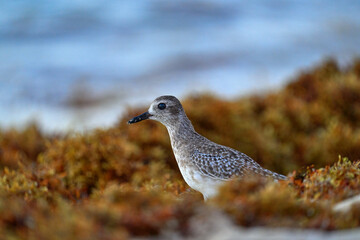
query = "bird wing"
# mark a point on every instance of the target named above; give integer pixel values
(223, 163)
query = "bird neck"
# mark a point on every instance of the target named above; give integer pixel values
(180, 132)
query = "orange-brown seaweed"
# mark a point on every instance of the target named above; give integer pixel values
(124, 181)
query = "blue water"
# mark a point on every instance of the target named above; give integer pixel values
(125, 53)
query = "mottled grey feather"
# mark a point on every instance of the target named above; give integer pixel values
(224, 162)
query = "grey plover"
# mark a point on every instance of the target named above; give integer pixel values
(203, 164)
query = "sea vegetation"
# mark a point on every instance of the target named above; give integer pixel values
(124, 182)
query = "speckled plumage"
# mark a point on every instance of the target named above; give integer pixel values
(203, 163)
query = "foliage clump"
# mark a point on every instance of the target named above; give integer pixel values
(306, 200)
(333, 183)
(124, 181)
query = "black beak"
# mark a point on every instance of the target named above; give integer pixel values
(139, 118)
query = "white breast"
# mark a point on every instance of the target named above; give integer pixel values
(197, 181)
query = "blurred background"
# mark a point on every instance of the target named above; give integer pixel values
(79, 64)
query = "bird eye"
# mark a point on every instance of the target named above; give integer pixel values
(162, 106)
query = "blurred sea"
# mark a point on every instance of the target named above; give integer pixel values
(79, 64)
